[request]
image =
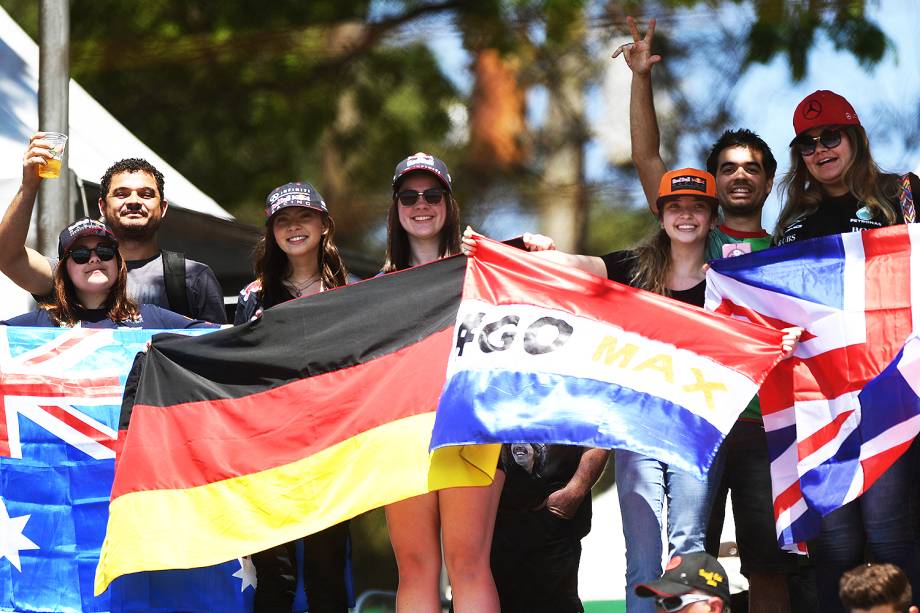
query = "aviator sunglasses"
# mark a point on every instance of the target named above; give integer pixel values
(81, 255)
(432, 195)
(829, 138)
(672, 604)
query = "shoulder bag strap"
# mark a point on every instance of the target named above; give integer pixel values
(174, 279)
(906, 199)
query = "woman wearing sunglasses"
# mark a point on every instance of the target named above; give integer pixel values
(833, 187)
(423, 225)
(295, 257)
(89, 288)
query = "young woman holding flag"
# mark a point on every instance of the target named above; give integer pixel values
(423, 225)
(671, 263)
(297, 257)
(89, 288)
(835, 186)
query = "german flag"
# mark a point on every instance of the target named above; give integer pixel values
(259, 434)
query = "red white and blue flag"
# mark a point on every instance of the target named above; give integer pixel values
(545, 353)
(852, 294)
(60, 399)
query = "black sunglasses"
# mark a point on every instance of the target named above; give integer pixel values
(81, 255)
(806, 144)
(432, 195)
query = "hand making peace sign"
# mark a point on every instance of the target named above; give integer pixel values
(638, 54)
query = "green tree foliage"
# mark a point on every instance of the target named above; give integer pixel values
(242, 97)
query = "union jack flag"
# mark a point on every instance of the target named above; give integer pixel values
(60, 398)
(852, 294)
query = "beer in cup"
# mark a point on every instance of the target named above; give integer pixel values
(52, 167)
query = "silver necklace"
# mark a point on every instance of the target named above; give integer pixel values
(298, 290)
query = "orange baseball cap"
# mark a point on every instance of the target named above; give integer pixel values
(687, 182)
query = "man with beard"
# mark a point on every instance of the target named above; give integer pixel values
(743, 166)
(132, 204)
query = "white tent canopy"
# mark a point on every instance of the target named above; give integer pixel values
(97, 139)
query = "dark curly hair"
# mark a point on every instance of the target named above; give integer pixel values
(741, 138)
(130, 165)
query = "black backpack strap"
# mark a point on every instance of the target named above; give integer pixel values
(174, 279)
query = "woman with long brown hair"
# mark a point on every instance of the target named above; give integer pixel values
(669, 262)
(89, 287)
(423, 225)
(297, 257)
(834, 186)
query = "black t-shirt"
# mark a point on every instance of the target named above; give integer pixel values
(840, 215)
(621, 266)
(533, 471)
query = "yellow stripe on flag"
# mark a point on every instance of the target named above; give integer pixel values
(217, 522)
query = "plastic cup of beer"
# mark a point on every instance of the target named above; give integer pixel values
(52, 167)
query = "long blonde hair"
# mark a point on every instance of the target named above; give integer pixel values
(653, 258)
(863, 178)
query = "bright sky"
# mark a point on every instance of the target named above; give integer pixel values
(766, 94)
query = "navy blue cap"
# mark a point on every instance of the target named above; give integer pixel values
(298, 193)
(79, 229)
(422, 162)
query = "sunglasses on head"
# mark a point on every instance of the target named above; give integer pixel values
(81, 255)
(672, 604)
(432, 195)
(829, 138)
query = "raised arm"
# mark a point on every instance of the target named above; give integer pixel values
(26, 267)
(643, 124)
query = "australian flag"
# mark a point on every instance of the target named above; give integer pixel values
(853, 295)
(60, 397)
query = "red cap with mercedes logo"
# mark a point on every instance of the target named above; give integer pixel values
(823, 108)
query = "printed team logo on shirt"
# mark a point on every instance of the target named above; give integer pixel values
(864, 213)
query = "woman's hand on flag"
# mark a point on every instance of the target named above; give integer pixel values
(468, 242)
(532, 242)
(791, 340)
(538, 242)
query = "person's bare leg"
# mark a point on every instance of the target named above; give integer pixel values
(467, 524)
(414, 527)
(768, 593)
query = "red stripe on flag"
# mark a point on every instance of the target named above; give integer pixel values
(512, 276)
(822, 436)
(816, 378)
(888, 310)
(874, 466)
(80, 426)
(730, 309)
(4, 432)
(47, 386)
(221, 439)
(75, 337)
(787, 499)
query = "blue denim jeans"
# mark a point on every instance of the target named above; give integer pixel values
(881, 522)
(643, 484)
